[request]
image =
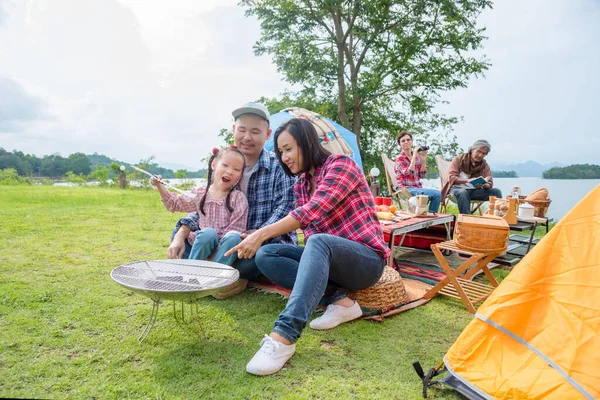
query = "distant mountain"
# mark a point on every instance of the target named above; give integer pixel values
(528, 168)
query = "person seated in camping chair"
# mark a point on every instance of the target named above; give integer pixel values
(463, 169)
(410, 167)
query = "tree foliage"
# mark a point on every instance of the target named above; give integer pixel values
(375, 66)
(56, 166)
(504, 174)
(79, 163)
(576, 171)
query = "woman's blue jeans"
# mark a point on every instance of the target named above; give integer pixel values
(207, 241)
(435, 197)
(319, 273)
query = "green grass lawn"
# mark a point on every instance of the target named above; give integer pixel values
(68, 331)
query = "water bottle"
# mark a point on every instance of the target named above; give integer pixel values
(516, 192)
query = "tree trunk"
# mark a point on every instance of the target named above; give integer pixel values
(343, 115)
(339, 41)
(357, 120)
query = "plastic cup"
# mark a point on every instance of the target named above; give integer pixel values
(387, 201)
(379, 201)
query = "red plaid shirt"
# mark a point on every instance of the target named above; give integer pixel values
(217, 215)
(341, 205)
(406, 177)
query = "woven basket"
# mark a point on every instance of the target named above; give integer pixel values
(540, 206)
(386, 294)
(481, 234)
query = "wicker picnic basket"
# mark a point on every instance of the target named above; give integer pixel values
(540, 206)
(386, 294)
(481, 234)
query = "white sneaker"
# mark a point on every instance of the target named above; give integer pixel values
(335, 315)
(271, 357)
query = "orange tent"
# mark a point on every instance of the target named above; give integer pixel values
(538, 335)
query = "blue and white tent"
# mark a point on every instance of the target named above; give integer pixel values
(349, 137)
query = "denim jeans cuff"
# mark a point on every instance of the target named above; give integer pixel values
(282, 332)
(337, 295)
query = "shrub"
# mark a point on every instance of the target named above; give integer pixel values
(100, 174)
(76, 179)
(10, 176)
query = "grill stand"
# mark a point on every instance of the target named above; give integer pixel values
(151, 321)
(193, 320)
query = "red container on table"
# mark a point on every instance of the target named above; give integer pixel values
(383, 201)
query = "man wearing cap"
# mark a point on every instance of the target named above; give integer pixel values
(463, 169)
(270, 192)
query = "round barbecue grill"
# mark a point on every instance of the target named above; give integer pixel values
(184, 280)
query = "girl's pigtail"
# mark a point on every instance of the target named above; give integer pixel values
(228, 201)
(208, 179)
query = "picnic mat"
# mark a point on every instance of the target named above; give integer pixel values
(424, 267)
(419, 270)
(414, 296)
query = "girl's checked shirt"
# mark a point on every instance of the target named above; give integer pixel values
(217, 215)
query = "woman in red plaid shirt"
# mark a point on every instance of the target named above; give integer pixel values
(410, 167)
(344, 246)
(222, 209)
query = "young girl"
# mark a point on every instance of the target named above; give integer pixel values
(223, 210)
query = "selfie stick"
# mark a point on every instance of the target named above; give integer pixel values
(160, 180)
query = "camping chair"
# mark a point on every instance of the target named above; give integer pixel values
(442, 166)
(390, 177)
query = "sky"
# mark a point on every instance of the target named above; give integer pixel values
(138, 78)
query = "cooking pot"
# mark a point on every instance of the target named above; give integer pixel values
(526, 211)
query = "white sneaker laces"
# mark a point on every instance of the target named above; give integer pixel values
(269, 346)
(330, 309)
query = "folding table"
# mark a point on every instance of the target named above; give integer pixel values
(405, 226)
(457, 283)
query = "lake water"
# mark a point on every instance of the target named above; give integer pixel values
(565, 193)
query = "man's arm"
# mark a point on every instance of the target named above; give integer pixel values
(192, 221)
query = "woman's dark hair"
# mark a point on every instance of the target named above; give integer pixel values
(402, 134)
(216, 155)
(303, 131)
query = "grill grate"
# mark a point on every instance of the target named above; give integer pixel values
(174, 276)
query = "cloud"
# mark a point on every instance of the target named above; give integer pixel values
(3, 13)
(538, 98)
(134, 78)
(17, 107)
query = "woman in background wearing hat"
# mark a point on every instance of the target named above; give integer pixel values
(465, 168)
(410, 167)
(344, 246)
